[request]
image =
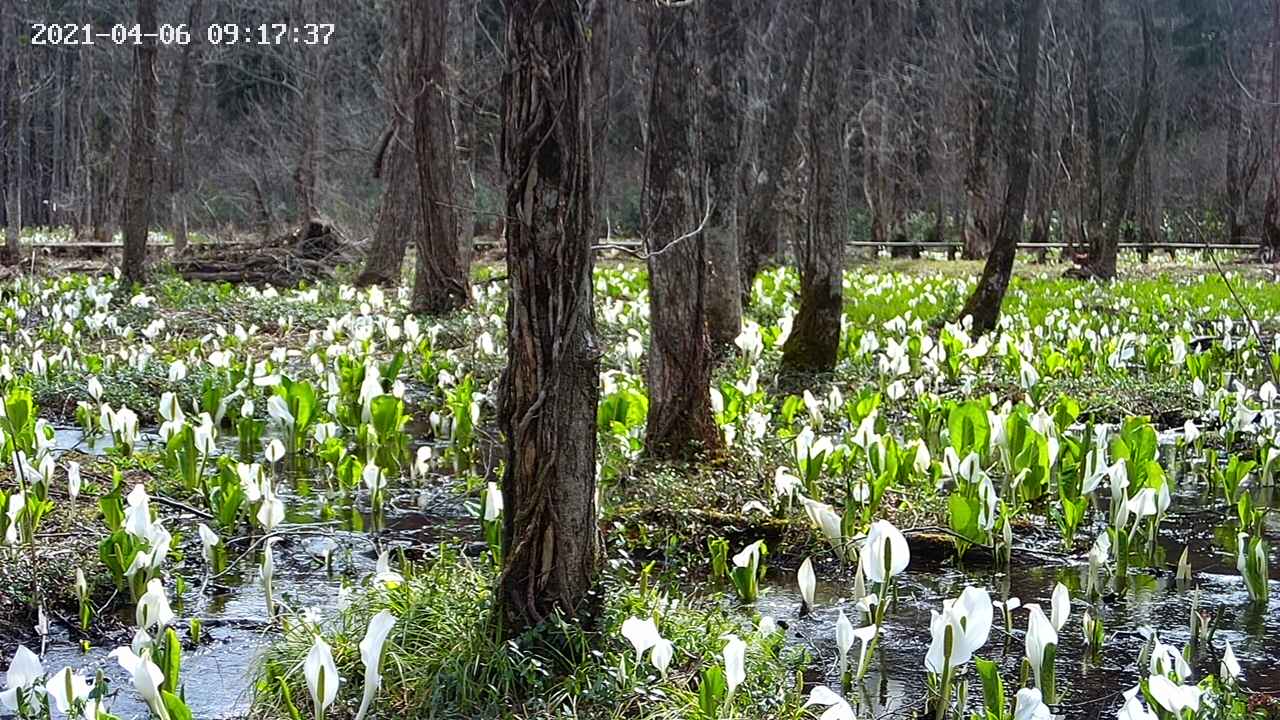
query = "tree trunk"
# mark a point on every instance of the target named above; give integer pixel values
(551, 537)
(13, 133)
(1043, 184)
(461, 41)
(142, 142)
(601, 24)
(777, 156)
(984, 305)
(442, 281)
(102, 141)
(1234, 210)
(399, 217)
(1160, 154)
(721, 134)
(1271, 208)
(979, 229)
(1093, 110)
(815, 333)
(178, 137)
(679, 368)
(399, 220)
(1102, 256)
(305, 174)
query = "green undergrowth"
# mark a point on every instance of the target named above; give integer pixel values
(443, 659)
(67, 541)
(670, 511)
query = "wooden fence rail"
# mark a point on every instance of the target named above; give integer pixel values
(1157, 247)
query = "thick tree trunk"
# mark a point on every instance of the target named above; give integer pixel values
(984, 305)
(679, 369)
(815, 333)
(13, 134)
(551, 538)
(142, 143)
(778, 155)
(178, 136)
(1102, 256)
(399, 220)
(724, 31)
(442, 282)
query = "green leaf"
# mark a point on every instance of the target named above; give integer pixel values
(112, 510)
(969, 428)
(176, 708)
(386, 411)
(711, 692)
(171, 661)
(963, 511)
(1065, 412)
(992, 688)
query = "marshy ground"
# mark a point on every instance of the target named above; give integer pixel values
(1159, 369)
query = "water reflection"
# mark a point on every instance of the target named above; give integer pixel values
(1151, 597)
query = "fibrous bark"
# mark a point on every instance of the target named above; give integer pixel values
(551, 538)
(984, 305)
(441, 283)
(141, 173)
(724, 31)
(679, 369)
(815, 333)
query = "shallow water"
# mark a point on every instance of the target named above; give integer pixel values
(216, 674)
(895, 681)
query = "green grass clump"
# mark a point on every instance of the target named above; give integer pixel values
(444, 660)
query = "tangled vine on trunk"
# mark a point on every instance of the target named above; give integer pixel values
(551, 539)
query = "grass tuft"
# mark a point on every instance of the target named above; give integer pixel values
(444, 661)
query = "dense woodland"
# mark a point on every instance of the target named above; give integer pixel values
(1152, 120)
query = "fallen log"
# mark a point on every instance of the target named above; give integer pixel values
(314, 252)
